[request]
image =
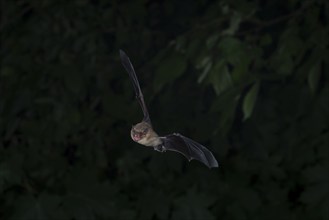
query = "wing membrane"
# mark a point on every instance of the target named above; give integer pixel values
(132, 74)
(190, 149)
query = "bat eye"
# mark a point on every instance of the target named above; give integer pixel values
(145, 130)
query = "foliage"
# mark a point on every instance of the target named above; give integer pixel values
(249, 79)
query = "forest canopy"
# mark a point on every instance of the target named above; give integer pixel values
(248, 79)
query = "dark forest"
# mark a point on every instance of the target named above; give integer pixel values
(247, 79)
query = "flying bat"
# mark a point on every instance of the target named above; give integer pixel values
(144, 134)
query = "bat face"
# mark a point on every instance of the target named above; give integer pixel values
(144, 134)
(139, 131)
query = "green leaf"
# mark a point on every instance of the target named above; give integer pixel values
(169, 70)
(203, 62)
(234, 24)
(313, 77)
(212, 40)
(249, 101)
(315, 193)
(8, 176)
(315, 173)
(193, 205)
(265, 40)
(7, 71)
(46, 206)
(205, 72)
(249, 199)
(220, 77)
(232, 49)
(148, 208)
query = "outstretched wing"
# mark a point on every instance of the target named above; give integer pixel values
(139, 95)
(189, 148)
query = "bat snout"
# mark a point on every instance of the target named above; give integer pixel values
(136, 136)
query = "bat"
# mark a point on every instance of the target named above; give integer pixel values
(144, 134)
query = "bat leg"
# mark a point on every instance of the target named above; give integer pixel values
(160, 148)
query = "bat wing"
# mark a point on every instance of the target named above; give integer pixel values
(189, 148)
(132, 74)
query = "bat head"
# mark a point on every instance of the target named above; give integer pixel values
(140, 131)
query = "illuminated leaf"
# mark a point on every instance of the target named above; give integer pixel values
(250, 100)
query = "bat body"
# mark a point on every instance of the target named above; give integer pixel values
(144, 134)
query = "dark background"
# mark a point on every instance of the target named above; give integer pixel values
(248, 79)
